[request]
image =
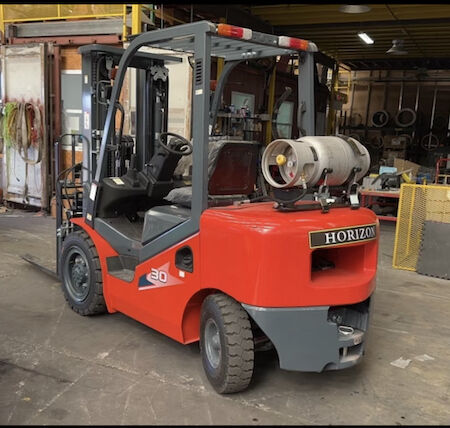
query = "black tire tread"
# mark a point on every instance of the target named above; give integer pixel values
(97, 305)
(239, 344)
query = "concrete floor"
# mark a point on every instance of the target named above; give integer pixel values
(57, 367)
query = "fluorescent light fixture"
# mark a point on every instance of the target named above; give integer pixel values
(354, 8)
(365, 38)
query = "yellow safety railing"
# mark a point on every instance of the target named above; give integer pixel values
(418, 203)
(15, 13)
(348, 79)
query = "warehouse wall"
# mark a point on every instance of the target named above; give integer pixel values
(393, 93)
(70, 58)
(385, 95)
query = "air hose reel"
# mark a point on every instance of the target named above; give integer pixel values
(380, 118)
(405, 117)
(309, 161)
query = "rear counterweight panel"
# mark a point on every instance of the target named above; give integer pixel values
(307, 339)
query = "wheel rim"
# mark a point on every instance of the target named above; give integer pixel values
(212, 343)
(76, 274)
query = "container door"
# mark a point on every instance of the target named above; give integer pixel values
(25, 76)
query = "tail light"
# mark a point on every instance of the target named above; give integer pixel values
(293, 43)
(233, 31)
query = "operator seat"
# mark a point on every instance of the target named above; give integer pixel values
(232, 173)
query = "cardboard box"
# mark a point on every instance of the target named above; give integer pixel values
(403, 165)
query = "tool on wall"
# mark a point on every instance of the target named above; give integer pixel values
(416, 107)
(431, 140)
(404, 118)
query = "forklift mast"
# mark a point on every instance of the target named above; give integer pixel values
(99, 65)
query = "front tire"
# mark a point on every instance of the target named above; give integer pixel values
(226, 344)
(81, 275)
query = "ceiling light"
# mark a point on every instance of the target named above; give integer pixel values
(397, 48)
(354, 8)
(365, 38)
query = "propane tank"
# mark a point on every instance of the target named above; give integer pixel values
(302, 161)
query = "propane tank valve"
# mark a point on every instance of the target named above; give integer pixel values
(281, 160)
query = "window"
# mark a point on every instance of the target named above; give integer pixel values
(284, 119)
(242, 99)
(71, 113)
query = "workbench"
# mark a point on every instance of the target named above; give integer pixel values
(368, 196)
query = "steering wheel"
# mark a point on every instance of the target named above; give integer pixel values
(181, 151)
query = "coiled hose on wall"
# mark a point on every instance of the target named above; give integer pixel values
(21, 128)
(380, 118)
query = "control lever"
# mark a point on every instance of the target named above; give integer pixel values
(323, 195)
(324, 191)
(353, 190)
(353, 196)
(131, 175)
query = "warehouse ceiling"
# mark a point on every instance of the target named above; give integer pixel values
(424, 28)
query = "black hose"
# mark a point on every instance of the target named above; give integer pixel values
(380, 118)
(294, 200)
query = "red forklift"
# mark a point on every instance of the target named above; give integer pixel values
(204, 239)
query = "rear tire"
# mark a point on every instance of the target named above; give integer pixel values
(226, 344)
(81, 275)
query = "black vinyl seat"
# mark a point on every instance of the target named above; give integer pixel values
(232, 172)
